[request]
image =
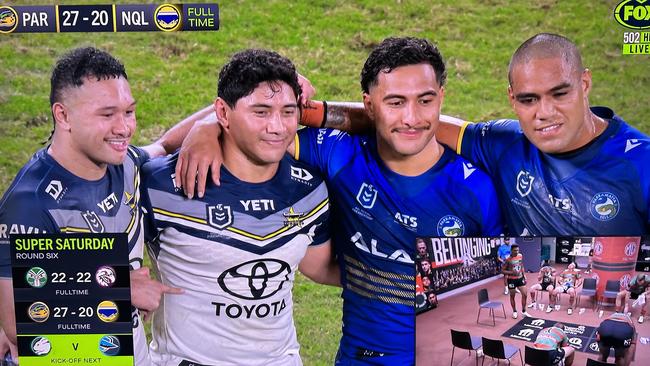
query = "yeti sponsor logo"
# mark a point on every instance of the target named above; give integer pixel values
(54, 189)
(524, 183)
(255, 280)
(95, 224)
(219, 216)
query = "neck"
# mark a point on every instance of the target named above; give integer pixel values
(410, 165)
(246, 170)
(76, 163)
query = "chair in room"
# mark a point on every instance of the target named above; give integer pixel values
(498, 350)
(612, 288)
(592, 362)
(485, 303)
(588, 289)
(464, 340)
(537, 357)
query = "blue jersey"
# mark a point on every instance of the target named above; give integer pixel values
(602, 188)
(235, 252)
(377, 215)
(504, 251)
(46, 198)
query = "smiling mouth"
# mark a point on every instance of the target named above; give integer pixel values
(118, 144)
(549, 128)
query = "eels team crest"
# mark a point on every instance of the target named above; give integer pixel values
(604, 206)
(451, 225)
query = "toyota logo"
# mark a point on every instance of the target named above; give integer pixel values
(256, 279)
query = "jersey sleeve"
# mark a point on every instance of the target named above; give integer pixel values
(148, 175)
(484, 143)
(326, 149)
(20, 213)
(486, 194)
(320, 230)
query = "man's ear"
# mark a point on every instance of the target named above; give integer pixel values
(367, 103)
(60, 115)
(222, 109)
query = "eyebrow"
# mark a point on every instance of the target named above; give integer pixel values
(262, 105)
(110, 107)
(535, 95)
(427, 93)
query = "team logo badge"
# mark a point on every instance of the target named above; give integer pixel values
(107, 311)
(105, 276)
(40, 346)
(38, 312)
(109, 345)
(524, 183)
(95, 224)
(630, 248)
(367, 195)
(255, 280)
(219, 216)
(167, 17)
(451, 225)
(604, 206)
(36, 277)
(8, 19)
(293, 218)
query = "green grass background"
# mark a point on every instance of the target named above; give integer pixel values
(173, 74)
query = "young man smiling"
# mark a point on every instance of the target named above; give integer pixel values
(388, 187)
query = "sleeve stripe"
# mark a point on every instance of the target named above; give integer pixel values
(459, 143)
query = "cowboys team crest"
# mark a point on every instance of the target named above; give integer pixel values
(219, 216)
(524, 183)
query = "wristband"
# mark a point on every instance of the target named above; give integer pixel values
(314, 114)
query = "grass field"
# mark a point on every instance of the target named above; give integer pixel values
(172, 75)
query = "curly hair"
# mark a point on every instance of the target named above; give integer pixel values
(247, 69)
(395, 52)
(80, 63)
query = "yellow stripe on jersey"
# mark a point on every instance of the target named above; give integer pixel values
(390, 275)
(70, 229)
(385, 299)
(242, 232)
(296, 147)
(459, 143)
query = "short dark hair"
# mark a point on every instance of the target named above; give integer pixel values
(247, 69)
(513, 246)
(394, 52)
(546, 45)
(80, 63)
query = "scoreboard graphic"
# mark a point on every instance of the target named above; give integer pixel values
(72, 299)
(109, 18)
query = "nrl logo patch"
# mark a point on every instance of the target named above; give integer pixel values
(219, 216)
(367, 195)
(95, 224)
(524, 183)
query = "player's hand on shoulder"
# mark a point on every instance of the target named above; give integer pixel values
(146, 292)
(308, 90)
(199, 153)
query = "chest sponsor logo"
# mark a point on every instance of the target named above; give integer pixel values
(524, 183)
(321, 135)
(406, 220)
(398, 255)
(301, 175)
(451, 225)
(219, 216)
(367, 195)
(562, 204)
(604, 206)
(108, 203)
(255, 280)
(55, 189)
(258, 205)
(95, 224)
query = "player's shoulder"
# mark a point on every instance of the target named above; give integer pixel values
(298, 175)
(38, 178)
(160, 165)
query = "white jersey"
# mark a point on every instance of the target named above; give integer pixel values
(234, 253)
